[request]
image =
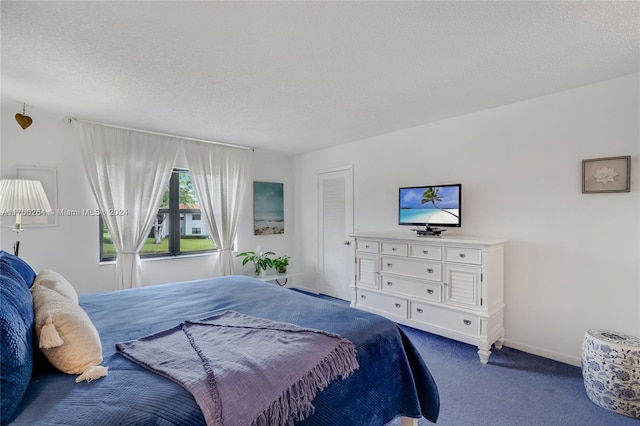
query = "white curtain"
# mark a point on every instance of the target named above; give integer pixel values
(128, 172)
(220, 175)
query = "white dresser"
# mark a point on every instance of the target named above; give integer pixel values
(452, 287)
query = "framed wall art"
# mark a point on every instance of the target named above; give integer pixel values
(610, 174)
(268, 208)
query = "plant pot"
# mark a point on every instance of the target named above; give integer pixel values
(282, 270)
(258, 271)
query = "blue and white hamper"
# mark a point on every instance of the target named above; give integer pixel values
(611, 371)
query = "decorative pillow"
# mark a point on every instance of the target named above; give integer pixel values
(16, 342)
(57, 283)
(21, 267)
(66, 335)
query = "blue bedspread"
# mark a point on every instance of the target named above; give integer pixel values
(392, 379)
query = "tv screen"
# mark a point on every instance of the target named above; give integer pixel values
(439, 205)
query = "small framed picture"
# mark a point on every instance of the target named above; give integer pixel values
(611, 174)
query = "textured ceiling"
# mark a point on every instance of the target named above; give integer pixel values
(295, 77)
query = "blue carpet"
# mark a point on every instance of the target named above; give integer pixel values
(514, 389)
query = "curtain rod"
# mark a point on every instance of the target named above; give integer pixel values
(70, 119)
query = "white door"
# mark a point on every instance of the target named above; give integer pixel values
(335, 216)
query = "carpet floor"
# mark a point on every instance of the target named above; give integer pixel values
(514, 389)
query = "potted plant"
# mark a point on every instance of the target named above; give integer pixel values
(261, 260)
(280, 264)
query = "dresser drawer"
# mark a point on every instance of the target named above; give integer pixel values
(412, 288)
(462, 255)
(396, 249)
(367, 246)
(391, 305)
(422, 251)
(412, 268)
(460, 322)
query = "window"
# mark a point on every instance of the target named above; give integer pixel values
(168, 235)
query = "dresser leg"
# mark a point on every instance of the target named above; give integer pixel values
(484, 355)
(498, 344)
(408, 421)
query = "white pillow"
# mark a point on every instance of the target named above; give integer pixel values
(56, 282)
(66, 335)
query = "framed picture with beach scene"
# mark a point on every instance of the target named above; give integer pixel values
(268, 208)
(610, 174)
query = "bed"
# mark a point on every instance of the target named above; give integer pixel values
(392, 380)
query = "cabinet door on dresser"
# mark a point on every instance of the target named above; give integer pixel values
(462, 285)
(367, 270)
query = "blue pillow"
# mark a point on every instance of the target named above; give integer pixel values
(21, 267)
(16, 344)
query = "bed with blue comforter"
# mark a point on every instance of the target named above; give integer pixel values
(392, 380)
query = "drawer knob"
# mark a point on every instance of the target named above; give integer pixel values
(389, 283)
(389, 265)
(462, 255)
(429, 291)
(363, 296)
(430, 270)
(466, 322)
(425, 251)
(393, 249)
(398, 305)
(366, 246)
(419, 310)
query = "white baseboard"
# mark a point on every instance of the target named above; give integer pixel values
(556, 356)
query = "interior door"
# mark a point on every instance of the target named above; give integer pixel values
(335, 263)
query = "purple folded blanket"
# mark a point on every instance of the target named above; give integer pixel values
(244, 370)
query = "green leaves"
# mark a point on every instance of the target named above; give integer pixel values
(260, 260)
(281, 262)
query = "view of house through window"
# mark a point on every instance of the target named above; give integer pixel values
(179, 227)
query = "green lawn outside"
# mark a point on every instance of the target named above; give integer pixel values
(186, 244)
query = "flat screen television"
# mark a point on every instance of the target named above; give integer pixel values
(432, 206)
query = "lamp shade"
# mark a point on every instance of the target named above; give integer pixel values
(23, 197)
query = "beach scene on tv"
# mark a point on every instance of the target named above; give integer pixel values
(438, 205)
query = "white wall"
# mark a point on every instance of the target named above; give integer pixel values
(71, 247)
(571, 258)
